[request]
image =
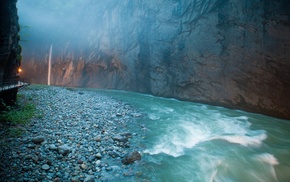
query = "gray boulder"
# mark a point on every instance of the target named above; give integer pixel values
(131, 157)
(64, 149)
(38, 139)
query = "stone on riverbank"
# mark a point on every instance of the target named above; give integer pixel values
(64, 149)
(119, 138)
(132, 157)
(71, 140)
(52, 147)
(89, 179)
(45, 167)
(38, 139)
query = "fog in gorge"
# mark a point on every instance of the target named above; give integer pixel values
(70, 26)
(103, 44)
(223, 52)
(59, 22)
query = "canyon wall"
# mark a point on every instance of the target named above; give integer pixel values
(224, 52)
(9, 49)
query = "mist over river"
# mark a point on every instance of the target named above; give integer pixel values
(185, 141)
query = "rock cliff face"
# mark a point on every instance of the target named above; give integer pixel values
(223, 52)
(9, 48)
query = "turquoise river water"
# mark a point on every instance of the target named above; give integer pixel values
(184, 141)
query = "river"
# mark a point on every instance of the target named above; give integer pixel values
(185, 141)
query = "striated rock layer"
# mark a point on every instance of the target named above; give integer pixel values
(224, 52)
(9, 49)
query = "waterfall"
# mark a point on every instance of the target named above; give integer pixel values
(49, 65)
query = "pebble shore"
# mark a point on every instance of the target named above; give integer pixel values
(80, 135)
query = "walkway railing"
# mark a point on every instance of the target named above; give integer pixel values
(13, 83)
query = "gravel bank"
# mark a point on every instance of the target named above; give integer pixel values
(80, 136)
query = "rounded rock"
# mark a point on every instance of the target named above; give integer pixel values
(38, 139)
(45, 167)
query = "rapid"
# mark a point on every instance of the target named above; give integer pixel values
(184, 141)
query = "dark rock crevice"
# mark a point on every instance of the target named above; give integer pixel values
(9, 48)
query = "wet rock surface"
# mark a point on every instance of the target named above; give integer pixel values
(132, 157)
(77, 137)
(38, 139)
(231, 53)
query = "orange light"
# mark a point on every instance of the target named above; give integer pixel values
(19, 70)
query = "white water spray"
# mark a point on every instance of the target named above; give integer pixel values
(49, 65)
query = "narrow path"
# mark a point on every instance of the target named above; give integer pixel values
(78, 136)
(8, 86)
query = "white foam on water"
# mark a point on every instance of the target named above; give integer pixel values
(267, 158)
(168, 110)
(213, 174)
(188, 131)
(231, 125)
(244, 140)
(271, 160)
(208, 165)
(236, 130)
(154, 116)
(179, 138)
(242, 117)
(160, 109)
(161, 148)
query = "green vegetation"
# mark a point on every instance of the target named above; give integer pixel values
(38, 86)
(24, 33)
(72, 89)
(13, 119)
(14, 132)
(20, 115)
